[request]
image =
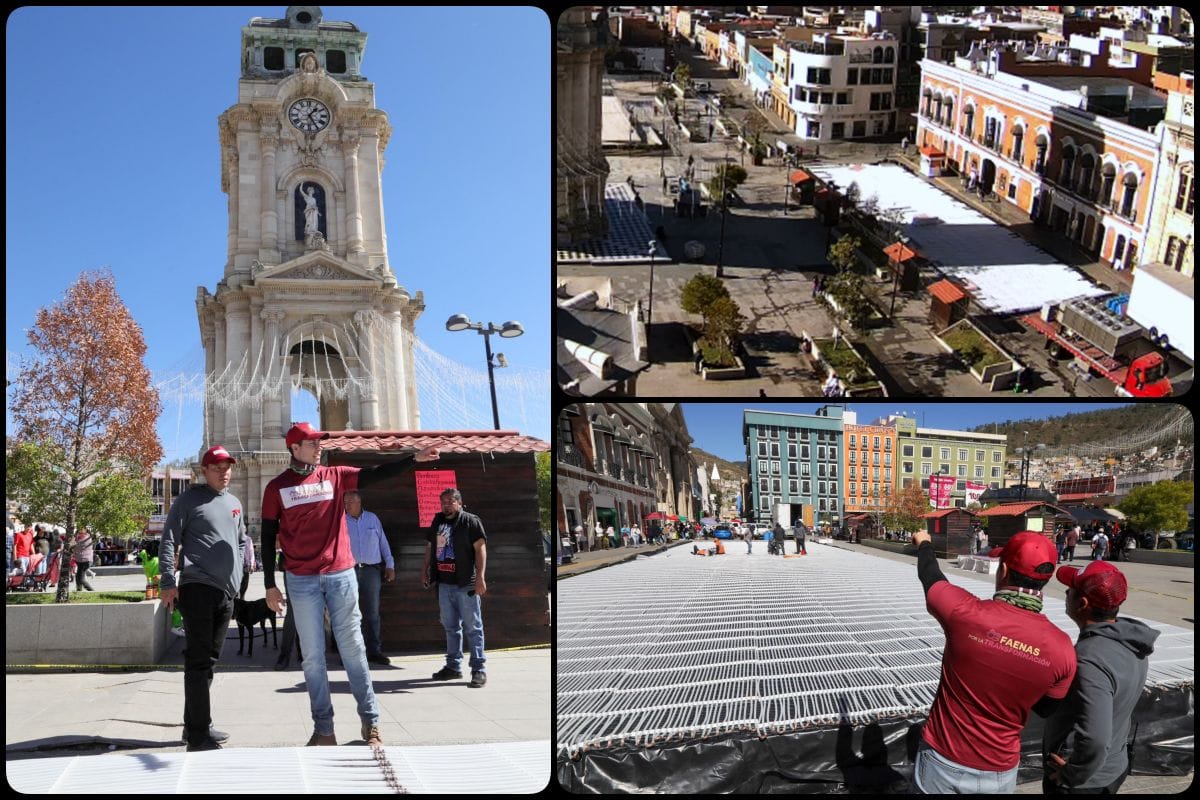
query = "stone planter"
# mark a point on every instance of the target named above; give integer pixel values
(87, 633)
(1000, 375)
(717, 373)
(867, 386)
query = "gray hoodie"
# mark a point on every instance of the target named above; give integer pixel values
(1091, 727)
(211, 528)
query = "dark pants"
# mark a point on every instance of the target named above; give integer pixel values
(206, 613)
(81, 581)
(1050, 788)
(800, 548)
(245, 583)
(1070, 552)
(370, 579)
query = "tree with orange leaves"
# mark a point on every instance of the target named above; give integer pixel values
(86, 395)
(905, 507)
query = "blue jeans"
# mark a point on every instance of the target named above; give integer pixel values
(310, 596)
(461, 610)
(370, 578)
(936, 774)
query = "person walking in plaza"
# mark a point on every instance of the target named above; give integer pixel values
(749, 537)
(611, 533)
(1099, 545)
(302, 506)
(800, 533)
(1060, 543)
(22, 550)
(780, 537)
(456, 561)
(206, 523)
(85, 545)
(1002, 658)
(1087, 743)
(1073, 537)
(373, 566)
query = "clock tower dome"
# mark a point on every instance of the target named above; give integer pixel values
(308, 299)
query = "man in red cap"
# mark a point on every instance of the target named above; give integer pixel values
(1085, 749)
(207, 522)
(1002, 657)
(304, 507)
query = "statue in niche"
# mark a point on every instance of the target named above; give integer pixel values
(310, 211)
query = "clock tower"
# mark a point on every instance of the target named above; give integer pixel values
(308, 298)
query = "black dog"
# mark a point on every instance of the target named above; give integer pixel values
(251, 613)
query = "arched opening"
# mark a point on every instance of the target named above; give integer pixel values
(1129, 187)
(1087, 171)
(988, 177)
(1108, 180)
(937, 108)
(1018, 143)
(1043, 145)
(968, 129)
(310, 209)
(305, 407)
(877, 55)
(318, 368)
(1118, 249)
(927, 96)
(1067, 166)
(889, 55)
(949, 117)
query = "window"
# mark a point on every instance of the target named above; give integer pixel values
(833, 504)
(814, 129)
(805, 468)
(821, 469)
(907, 451)
(299, 55)
(762, 485)
(821, 453)
(335, 61)
(926, 468)
(978, 471)
(1176, 248)
(875, 443)
(877, 55)
(793, 469)
(774, 467)
(833, 470)
(875, 460)
(806, 487)
(853, 473)
(832, 453)
(860, 129)
(995, 472)
(996, 456)
(887, 459)
(793, 488)
(945, 453)
(979, 455)
(762, 449)
(804, 451)
(821, 504)
(819, 76)
(853, 456)
(960, 486)
(774, 449)
(908, 467)
(775, 485)
(774, 432)
(156, 487)
(852, 77)
(791, 434)
(821, 487)
(853, 488)
(762, 467)
(924, 483)
(273, 58)
(944, 469)
(962, 454)
(852, 440)
(888, 75)
(887, 474)
(905, 482)
(791, 451)
(875, 473)
(1185, 195)
(962, 470)
(887, 445)
(889, 56)
(877, 127)
(843, 98)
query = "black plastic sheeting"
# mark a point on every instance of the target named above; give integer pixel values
(872, 758)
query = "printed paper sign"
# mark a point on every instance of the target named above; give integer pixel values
(430, 484)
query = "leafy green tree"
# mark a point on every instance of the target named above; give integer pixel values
(701, 292)
(541, 462)
(727, 177)
(1159, 507)
(848, 289)
(843, 253)
(683, 76)
(724, 320)
(31, 482)
(116, 505)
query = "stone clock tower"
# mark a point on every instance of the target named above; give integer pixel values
(308, 298)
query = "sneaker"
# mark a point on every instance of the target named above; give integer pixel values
(370, 733)
(380, 659)
(446, 674)
(207, 744)
(213, 733)
(478, 679)
(322, 740)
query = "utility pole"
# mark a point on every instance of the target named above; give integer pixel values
(724, 213)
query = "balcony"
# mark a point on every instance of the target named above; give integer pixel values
(571, 455)
(1123, 211)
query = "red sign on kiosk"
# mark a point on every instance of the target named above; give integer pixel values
(430, 485)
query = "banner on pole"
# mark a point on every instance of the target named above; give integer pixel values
(974, 490)
(940, 487)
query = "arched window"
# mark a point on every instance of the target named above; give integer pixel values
(1068, 165)
(877, 55)
(950, 110)
(1129, 187)
(1043, 146)
(1108, 180)
(927, 95)
(937, 111)
(889, 55)
(1119, 249)
(1087, 171)
(968, 129)
(1018, 146)
(1185, 193)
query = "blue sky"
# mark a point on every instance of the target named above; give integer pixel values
(717, 427)
(112, 159)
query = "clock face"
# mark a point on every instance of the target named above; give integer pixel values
(309, 115)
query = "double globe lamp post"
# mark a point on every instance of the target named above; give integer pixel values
(509, 330)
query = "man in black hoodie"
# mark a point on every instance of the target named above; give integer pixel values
(1084, 750)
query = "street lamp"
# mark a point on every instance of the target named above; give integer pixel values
(653, 245)
(509, 330)
(903, 240)
(724, 211)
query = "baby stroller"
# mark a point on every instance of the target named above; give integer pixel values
(31, 581)
(773, 546)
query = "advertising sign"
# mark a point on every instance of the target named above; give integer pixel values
(974, 490)
(430, 484)
(940, 487)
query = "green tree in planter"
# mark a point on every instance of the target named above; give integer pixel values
(683, 76)
(116, 504)
(847, 289)
(724, 320)
(755, 127)
(727, 177)
(843, 253)
(700, 293)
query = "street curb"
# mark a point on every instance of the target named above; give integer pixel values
(622, 560)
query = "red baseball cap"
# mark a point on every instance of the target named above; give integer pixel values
(301, 432)
(1027, 551)
(216, 453)
(1100, 582)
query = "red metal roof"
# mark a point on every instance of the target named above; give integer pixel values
(446, 441)
(898, 252)
(931, 151)
(800, 176)
(947, 292)
(1016, 509)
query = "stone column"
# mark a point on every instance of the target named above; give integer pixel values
(268, 139)
(234, 179)
(259, 359)
(354, 221)
(272, 424)
(400, 369)
(217, 376)
(369, 404)
(237, 330)
(210, 346)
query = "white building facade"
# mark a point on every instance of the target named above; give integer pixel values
(843, 87)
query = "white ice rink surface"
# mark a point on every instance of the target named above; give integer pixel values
(1004, 272)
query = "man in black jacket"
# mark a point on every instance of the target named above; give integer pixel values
(456, 560)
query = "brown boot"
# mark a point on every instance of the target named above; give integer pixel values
(320, 740)
(371, 734)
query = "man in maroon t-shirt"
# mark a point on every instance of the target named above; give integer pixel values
(1002, 658)
(303, 506)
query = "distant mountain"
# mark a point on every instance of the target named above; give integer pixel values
(1084, 427)
(727, 469)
